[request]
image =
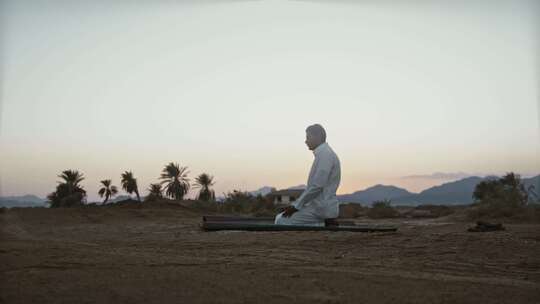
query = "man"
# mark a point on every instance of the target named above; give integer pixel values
(318, 202)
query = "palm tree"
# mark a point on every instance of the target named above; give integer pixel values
(204, 181)
(129, 183)
(71, 178)
(68, 191)
(176, 182)
(107, 190)
(154, 192)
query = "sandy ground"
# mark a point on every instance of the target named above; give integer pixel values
(159, 255)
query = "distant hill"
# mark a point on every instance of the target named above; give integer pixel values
(34, 201)
(262, 191)
(375, 193)
(535, 183)
(118, 198)
(452, 193)
(22, 201)
(267, 189)
(299, 187)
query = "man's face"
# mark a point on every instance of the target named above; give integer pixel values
(312, 141)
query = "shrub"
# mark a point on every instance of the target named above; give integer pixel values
(351, 210)
(503, 197)
(207, 206)
(243, 202)
(430, 211)
(382, 209)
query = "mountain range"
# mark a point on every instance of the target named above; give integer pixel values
(22, 201)
(453, 193)
(262, 191)
(35, 201)
(265, 190)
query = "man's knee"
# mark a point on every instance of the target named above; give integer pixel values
(299, 218)
(280, 219)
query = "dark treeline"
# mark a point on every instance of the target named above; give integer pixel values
(494, 198)
(173, 184)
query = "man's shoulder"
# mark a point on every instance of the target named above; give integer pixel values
(327, 151)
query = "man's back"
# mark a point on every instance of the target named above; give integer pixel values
(326, 173)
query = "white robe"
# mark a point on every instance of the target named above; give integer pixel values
(318, 202)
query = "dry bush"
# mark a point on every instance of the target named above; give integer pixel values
(244, 202)
(430, 211)
(237, 202)
(382, 209)
(351, 210)
(505, 197)
(500, 209)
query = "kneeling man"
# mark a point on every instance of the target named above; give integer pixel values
(318, 202)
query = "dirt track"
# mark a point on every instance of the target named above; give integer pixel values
(158, 254)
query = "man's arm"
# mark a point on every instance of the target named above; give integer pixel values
(323, 166)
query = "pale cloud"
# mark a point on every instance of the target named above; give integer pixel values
(440, 175)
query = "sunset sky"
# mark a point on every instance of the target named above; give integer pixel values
(405, 89)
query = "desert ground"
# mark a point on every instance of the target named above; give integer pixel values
(158, 254)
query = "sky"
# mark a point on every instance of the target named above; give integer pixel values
(411, 93)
